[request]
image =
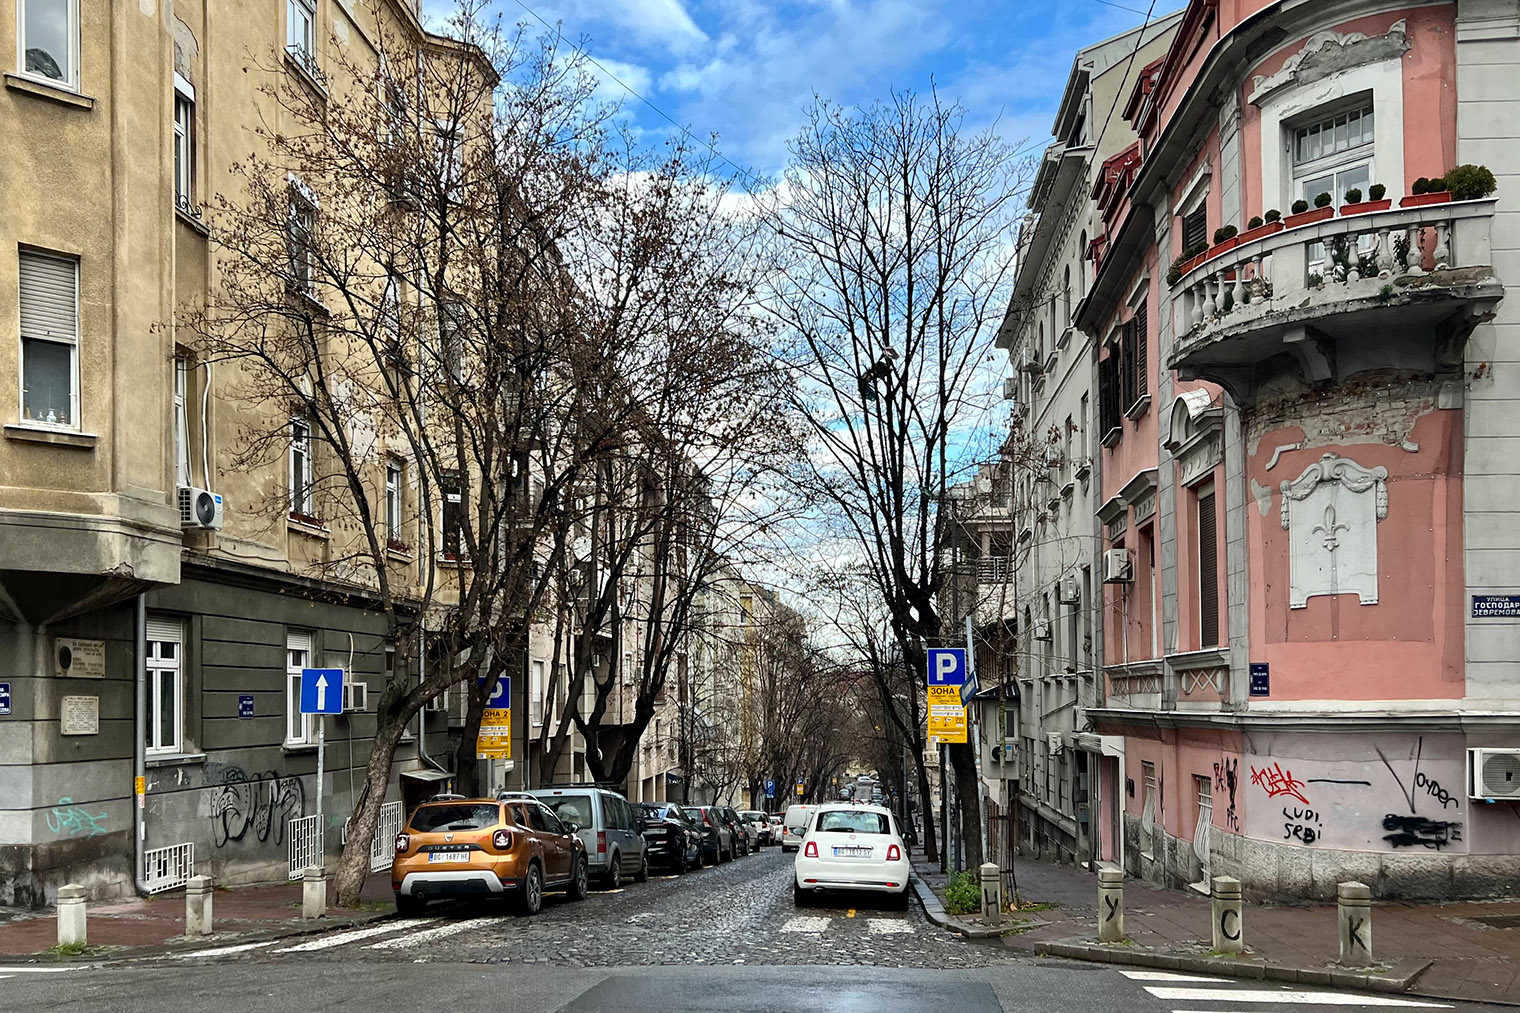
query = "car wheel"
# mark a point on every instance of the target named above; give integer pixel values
(800, 897)
(578, 881)
(532, 896)
(409, 907)
(614, 878)
(642, 876)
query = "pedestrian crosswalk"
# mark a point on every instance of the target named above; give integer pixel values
(11, 972)
(823, 923)
(1202, 994)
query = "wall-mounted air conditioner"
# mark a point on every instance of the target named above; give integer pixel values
(356, 696)
(1069, 591)
(1053, 743)
(1116, 567)
(1493, 773)
(1042, 632)
(200, 508)
(1010, 389)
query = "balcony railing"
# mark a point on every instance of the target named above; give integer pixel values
(1345, 272)
(994, 570)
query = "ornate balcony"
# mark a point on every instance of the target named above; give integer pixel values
(1399, 288)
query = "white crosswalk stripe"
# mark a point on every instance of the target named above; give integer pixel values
(1286, 997)
(887, 926)
(218, 951)
(8, 971)
(428, 935)
(340, 938)
(1168, 976)
(805, 923)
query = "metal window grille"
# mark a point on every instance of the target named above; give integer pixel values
(382, 851)
(305, 838)
(168, 868)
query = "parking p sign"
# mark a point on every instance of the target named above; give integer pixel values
(947, 666)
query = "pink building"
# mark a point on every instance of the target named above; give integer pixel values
(1310, 447)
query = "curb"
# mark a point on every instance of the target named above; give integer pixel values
(1397, 980)
(935, 911)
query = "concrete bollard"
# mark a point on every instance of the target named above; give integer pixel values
(1229, 934)
(1110, 905)
(1354, 916)
(992, 893)
(313, 892)
(198, 906)
(71, 916)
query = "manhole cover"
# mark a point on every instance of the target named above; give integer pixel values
(1499, 921)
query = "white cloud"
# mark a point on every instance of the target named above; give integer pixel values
(661, 23)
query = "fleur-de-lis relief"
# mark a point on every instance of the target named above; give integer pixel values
(1330, 527)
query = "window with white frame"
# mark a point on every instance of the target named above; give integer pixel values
(181, 420)
(536, 693)
(395, 482)
(302, 501)
(49, 288)
(1333, 154)
(301, 31)
(303, 217)
(47, 40)
(184, 146)
(165, 729)
(299, 728)
(1149, 809)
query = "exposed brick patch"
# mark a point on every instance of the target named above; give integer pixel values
(1378, 406)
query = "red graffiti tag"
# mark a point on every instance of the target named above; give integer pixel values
(1277, 782)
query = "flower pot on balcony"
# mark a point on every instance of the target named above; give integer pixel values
(1366, 206)
(1261, 230)
(1308, 217)
(1419, 200)
(1192, 262)
(1222, 247)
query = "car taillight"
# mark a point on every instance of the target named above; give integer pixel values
(502, 840)
(707, 819)
(811, 851)
(601, 842)
(894, 854)
(402, 843)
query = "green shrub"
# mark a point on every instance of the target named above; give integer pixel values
(1299, 207)
(1274, 215)
(963, 893)
(1470, 182)
(1421, 185)
(1225, 232)
(1323, 200)
(1254, 223)
(1353, 196)
(1376, 191)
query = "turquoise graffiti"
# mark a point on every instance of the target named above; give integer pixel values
(74, 820)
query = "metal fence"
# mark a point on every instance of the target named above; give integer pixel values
(305, 838)
(168, 868)
(382, 846)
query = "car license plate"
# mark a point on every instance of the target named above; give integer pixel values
(449, 856)
(852, 852)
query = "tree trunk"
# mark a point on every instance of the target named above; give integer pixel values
(353, 864)
(968, 796)
(925, 796)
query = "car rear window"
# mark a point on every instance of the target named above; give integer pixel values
(695, 814)
(474, 816)
(571, 808)
(852, 821)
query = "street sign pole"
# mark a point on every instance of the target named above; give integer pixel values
(974, 716)
(321, 764)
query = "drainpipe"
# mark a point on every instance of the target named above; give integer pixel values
(139, 755)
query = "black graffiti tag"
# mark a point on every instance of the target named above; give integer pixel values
(1434, 790)
(262, 802)
(1418, 831)
(1224, 923)
(1113, 908)
(1224, 780)
(1354, 926)
(1301, 824)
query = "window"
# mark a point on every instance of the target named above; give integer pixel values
(1333, 154)
(181, 420)
(48, 40)
(1208, 571)
(1195, 227)
(536, 693)
(302, 503)
(165, 731)
(451, 338)
(447, 149)
(302, 222)
(1082, 264)
(1108, 397)
(1140, 364)
(453, 519)
(1148, 806)
(49, 339)
(390, 663)
(299, 728)
(184, 146)
(301, 31)
(1066, 296)
(394, 484)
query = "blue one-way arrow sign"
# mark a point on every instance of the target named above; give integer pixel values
(321, 690)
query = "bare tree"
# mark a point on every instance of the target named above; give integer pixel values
(894, 232)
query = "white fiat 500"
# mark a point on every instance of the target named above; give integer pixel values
(851, 847)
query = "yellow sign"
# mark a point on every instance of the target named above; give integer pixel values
(495, 739)
(947, 717)
(140, 785)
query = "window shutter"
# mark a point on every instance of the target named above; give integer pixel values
(165, 630)
(1208, 574)
(1142, 356)
(1127, 346)
(48, 304)
(1195, 227)
(1108, 395)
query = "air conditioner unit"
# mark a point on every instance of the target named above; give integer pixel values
(1042, 632)
(200, 508)
(1010, 752)
(356, 696)
(1493, 773)
(1053, 743)
(438, 703)
(1069, 592)
(1010, 389)
(1116, 567)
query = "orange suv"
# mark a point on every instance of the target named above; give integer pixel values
(513, 848)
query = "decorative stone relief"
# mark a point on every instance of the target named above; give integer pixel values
(1331, 513)
(1327, 52)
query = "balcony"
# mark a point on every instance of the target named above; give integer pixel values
(994, 570)
(1400, 288)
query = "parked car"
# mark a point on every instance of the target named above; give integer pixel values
(718, 841)
(774, 819)
(759, 829)
(486, 847)
(794, 825)
(674, 840)
(848, 848)
(743, 839)
(614, 846)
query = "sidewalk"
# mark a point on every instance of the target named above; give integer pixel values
(144, 926)
(1458, 950)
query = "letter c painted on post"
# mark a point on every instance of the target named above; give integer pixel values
(1224, 923)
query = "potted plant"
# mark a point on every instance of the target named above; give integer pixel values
(1426, 191)
(1470, 182)
(1258, 227)
(1303, 215)
(1193, 256)
(1356, 206)
(1224, 240)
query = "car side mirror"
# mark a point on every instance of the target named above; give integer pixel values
(573, 828)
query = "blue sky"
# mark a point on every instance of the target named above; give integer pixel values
(745, 69)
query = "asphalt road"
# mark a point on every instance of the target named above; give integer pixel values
(725, 940)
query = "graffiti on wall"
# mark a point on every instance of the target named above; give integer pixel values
(1378, 794)
(1225, 781)
(74, 820)
(259, 804)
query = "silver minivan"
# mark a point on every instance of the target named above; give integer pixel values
(793, 824)
(612, 832)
